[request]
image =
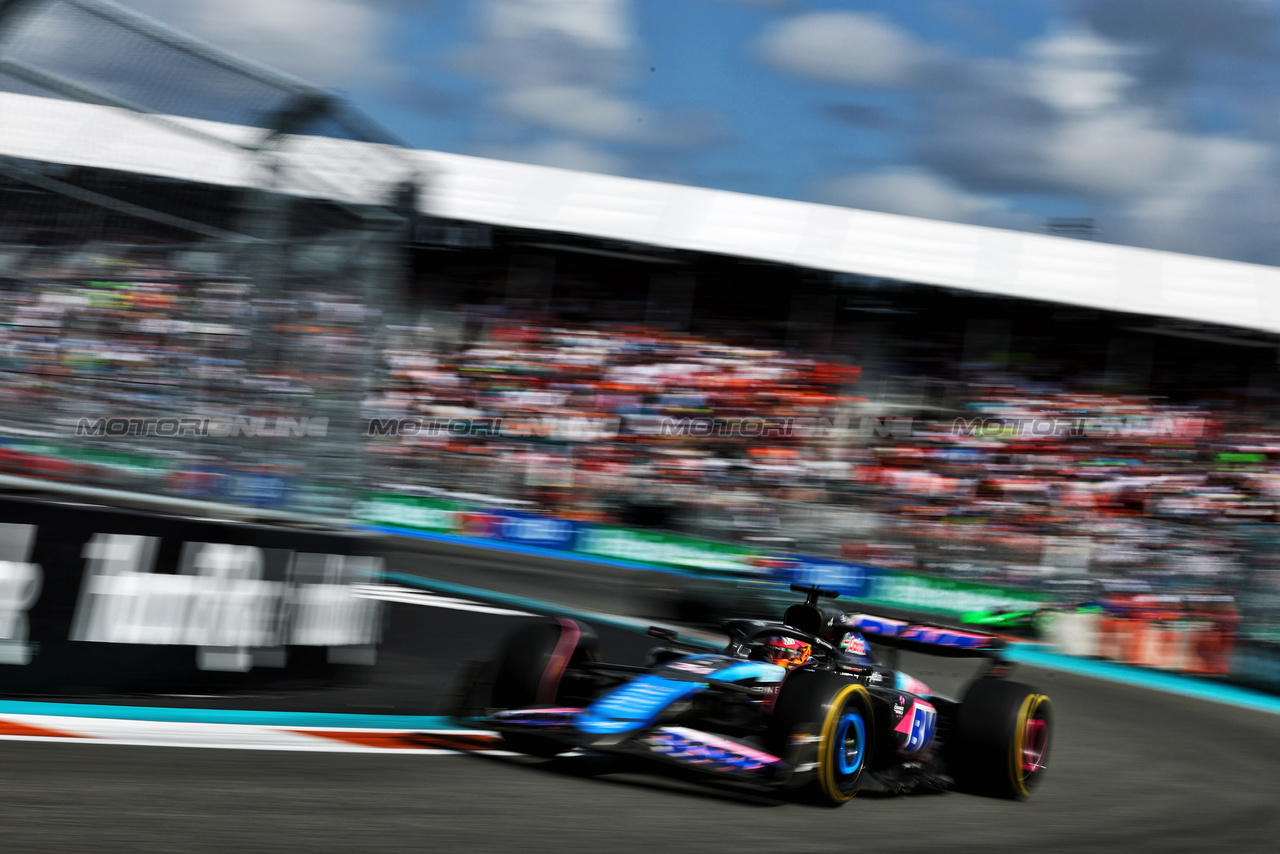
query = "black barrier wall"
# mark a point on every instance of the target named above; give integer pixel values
(97, 600)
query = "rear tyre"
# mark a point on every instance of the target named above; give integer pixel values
(822, 724)
(539, 667)
(1000, 744)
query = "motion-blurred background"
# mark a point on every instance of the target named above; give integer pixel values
(637, 282)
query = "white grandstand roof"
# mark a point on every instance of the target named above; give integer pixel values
(973, 258)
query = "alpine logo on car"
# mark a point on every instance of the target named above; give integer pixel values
(692, 667)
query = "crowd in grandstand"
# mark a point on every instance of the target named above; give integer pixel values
(714, 436)
(741, 442)
(104, 331)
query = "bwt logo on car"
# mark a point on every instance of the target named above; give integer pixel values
(230, 427)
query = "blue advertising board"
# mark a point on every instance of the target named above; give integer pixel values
(528, 529)
(853, 580)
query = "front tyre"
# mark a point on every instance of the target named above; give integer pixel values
(539, 666)
(823, 724)
(1000, 746)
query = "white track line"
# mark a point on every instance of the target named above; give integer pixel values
(226, 736)
(391, 593)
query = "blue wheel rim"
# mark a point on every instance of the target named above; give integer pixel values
(851, 738)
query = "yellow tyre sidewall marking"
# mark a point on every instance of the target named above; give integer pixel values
(826, 756)
(1030, 706)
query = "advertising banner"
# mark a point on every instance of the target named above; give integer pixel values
(529, 529)
(851, 580)
(103, 600)
(407, 511)
(666, 549)
(945, 595)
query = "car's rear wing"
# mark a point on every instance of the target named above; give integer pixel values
(924, 637)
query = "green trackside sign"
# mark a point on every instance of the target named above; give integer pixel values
(944, 595)
(132, 462)
(406, 511)
(666, 549)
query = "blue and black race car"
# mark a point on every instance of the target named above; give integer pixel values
(802, 705)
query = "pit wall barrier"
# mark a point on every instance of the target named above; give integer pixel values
(875, 585)
(101, 600)
(1190, 646)
(1195, 647)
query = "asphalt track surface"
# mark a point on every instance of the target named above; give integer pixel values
(1131, 770)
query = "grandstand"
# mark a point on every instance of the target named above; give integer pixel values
(207, 237)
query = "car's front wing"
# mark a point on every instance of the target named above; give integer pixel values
(687, 747)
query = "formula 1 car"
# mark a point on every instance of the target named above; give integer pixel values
(1025, 623)
(820, 724)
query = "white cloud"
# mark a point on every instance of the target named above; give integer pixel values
(525, 43)
(1076, 70)
(1106, 142)
(913, 191)
(600, 23)
(1065, 118)
(325, 41)
(852, 48)
(562, 65)
(580, 111)
(604, 116)
(1112, 153)
(1219, 201)
(1071, 117)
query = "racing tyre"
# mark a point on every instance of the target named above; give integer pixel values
(538, 668)
(823, 725)
(1000, 743)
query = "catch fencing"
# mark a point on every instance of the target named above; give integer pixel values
(255, 300)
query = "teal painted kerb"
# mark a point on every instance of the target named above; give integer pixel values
(1155, 680)
(229, 716)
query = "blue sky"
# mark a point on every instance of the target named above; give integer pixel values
(1158, 118)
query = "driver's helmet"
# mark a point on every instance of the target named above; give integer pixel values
(783, 651)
